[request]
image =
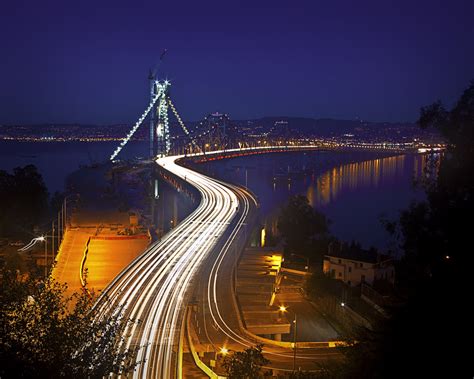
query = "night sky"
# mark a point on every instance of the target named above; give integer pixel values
(88, 62)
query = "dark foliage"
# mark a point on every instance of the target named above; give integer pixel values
(42, 337)
(245, 364)
(304, 230)
(23, 201)
(425, 336)
(320, 284)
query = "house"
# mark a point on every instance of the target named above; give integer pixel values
(354, 265)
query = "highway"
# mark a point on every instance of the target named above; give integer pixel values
(218, 311)
(153, 288)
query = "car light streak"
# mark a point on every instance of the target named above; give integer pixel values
(32, 243)
(153, 288)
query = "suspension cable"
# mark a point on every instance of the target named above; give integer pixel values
(181, 123)
(137, 124)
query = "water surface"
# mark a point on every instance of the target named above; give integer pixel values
(354, 189)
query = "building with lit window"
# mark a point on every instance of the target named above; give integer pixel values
(354, 266)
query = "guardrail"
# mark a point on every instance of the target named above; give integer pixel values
(136, 237)
(267, 341)
(207, 370)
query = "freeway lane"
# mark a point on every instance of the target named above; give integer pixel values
(218, 314)
(154, 287)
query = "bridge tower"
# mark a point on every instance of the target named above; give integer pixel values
(162, 127)
(153, 145)
(160, 143)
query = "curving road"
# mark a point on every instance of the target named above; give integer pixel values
(153, 288)
(218, 315)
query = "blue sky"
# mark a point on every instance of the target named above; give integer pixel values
(88, 62)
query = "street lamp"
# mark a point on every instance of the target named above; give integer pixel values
(62, 216)
(222, 351)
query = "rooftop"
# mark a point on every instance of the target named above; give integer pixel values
(356, 253)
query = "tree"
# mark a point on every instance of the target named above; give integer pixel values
(435, 229)
(435, 237)
(245, 364)
(23, 201)
(320, 284)
(303, 228)
(41, 337)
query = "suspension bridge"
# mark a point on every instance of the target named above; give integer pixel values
(156, 287)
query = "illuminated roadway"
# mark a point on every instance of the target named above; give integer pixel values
(154, 288)
(218, 316)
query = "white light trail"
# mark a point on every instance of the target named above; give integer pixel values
(32, 243)
(154, 286)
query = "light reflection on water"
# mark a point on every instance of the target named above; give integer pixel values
(359, 175)
(354, 195)
(352, 189)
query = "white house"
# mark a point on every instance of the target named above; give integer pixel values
(355, 266)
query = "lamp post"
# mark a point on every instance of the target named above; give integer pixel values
(59, 227)
(283, 309)
(43, 239)
(52, 240)
(64, 215)
(294, 345)
(62, 219)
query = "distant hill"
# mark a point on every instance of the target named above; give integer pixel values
(325, 127)
(297, 126)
